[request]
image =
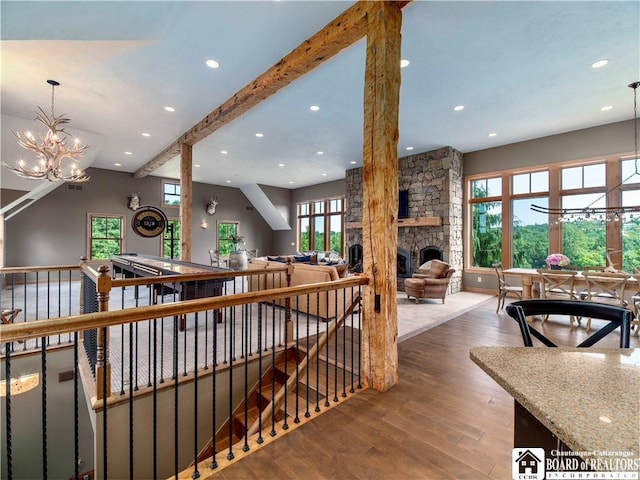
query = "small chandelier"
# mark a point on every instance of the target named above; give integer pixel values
(604, 214)
(55, 159)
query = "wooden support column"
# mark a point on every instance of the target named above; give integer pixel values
(186, 200)
(380, 195)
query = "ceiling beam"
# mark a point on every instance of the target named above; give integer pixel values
(343, 31)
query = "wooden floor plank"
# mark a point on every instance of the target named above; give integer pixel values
(445, 419)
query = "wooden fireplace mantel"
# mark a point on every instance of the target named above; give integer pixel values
(408, 222)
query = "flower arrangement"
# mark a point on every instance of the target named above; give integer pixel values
(558, 259)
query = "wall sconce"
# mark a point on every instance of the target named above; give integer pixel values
(133, 201)
(204, 225)
(211, 207)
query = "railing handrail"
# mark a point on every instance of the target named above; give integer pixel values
(49, 268)
(74, 323)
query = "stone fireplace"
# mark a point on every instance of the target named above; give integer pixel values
(433, 228)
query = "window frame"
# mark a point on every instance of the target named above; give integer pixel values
(218, 239)
(174, 183)
(326, 214)
(90, 238)
(163, 239)
(613, 188)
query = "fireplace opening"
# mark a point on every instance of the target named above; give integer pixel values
(430, 253)
(404, 264)
(355, 257)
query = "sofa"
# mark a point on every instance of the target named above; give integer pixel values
(431, 281)
(323, 305)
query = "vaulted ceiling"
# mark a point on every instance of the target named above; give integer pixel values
(521, 69)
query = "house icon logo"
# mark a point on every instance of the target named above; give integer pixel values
(528, 464)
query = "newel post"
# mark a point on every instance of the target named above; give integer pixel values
(103, 367)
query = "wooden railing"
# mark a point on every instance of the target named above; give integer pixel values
(230, 357)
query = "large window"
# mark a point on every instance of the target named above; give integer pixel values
(106, 236)
(503, 227)
(170, 194)
(171, 239)
(321, 225)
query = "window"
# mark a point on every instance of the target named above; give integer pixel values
(106, 236)
(226, 232)
(171, 193)
(171, 239)
(325, 218)
(486, 221)
(523, 238)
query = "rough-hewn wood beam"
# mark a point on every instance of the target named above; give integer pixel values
(186, 201)
(343, 31)
(380, 195)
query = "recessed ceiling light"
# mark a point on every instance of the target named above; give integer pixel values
(606, 108)
(599, 64)
(320, 153)
(458, 108)
(228, 181)
(353, 162)
(259, 135)
(281, 164)
(290, 181)
(197, 165)
(169, 109)
(324, 174)
(145, 134)
(314, 108)
(224, 152)
(404, 63)
(409, 148)
(118, 164)
(493, 134)
(128, 153)
(212, 64)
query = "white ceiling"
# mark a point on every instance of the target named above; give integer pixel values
(522, 70)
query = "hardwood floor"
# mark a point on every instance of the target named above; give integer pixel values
(445, 419)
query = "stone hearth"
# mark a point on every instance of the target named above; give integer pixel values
(434, 184)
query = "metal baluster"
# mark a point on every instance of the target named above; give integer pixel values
(214, 363)
(317, 409)
(344, 344)
(176, 442)
(230, 455)
(76, 410)
(196, 473)
(69, 308)
(104, 414)
(285, 425)
(297, 417)
(359, 341)
(43, 350)
(37, 301)
(155, 397)
(7, 412)
(335, 343)
(131, 401)
(24, 308)
(245, 339)
(260, 374)
(59, 303)
(307, 414)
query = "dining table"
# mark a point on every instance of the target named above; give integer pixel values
(529, 277)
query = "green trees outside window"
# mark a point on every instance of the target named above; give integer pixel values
(325, 218)
(106, 236)
(227, 237)
(166, 240)
(171, 193)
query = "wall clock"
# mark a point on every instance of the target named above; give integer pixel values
(148, 221)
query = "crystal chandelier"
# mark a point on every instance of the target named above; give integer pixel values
(55, 159)
(604, 214)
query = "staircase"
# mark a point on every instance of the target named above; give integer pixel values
(297, 377)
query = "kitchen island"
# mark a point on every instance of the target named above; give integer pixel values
(587, 400)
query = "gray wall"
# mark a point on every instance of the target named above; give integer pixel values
(53, 231)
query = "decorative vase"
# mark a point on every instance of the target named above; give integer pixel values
(238, 260)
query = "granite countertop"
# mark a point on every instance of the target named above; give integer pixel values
(588, 397)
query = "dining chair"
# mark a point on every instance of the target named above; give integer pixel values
(558, 284)
(603, 287)
(252, 253)
(503, 287)
(216, 261)
(616, 316)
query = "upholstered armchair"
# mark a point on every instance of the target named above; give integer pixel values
(431, 281)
